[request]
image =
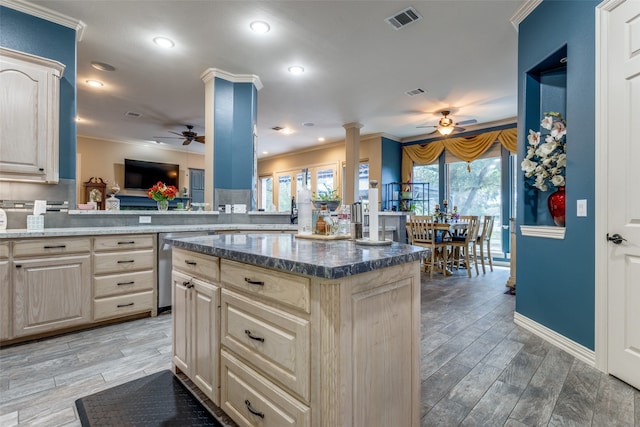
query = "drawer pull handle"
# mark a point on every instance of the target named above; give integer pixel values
(55, 246)
(253, 282)
(190, 262)
(126, 283)
(125, 305)
(127, 243)
(126, 261)
(253, 411)
(253, 337)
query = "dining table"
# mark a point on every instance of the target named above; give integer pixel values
(445, 231)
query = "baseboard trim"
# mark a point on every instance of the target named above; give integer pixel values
(578, 351)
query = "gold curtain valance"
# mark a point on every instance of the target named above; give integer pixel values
(467, 149)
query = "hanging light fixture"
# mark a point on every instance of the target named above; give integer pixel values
(445, 130)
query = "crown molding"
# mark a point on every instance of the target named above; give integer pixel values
(524, 11)
(48, 15)
(211, 73)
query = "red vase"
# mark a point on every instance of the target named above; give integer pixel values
(556, 203)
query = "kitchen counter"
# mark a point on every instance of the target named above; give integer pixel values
(327, 259)
(94, 231)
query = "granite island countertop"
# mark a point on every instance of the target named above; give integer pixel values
(326, 259)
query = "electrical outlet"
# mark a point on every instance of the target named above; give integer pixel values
(144, 219)
(581, 207)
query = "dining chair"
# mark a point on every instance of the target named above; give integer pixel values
(421, 232)
(484, 240)
(464, 245)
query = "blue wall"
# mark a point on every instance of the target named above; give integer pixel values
(235, 114)
(26, 33)
(391, 153)
(555, 278)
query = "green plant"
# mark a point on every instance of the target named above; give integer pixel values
(326, 195)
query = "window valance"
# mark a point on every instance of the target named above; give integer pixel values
(465, 148)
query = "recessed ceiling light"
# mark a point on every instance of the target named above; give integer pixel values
(308, 124)
(265, 152)
(102, 66)
(94, 83)
(321, 139)
(287, 131)
(164, 42)
(78, 119)
(260, 27)
(296, 69)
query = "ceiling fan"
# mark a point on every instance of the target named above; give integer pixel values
(188, 135)
(446, 126)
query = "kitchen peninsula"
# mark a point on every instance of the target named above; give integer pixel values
(279, 331)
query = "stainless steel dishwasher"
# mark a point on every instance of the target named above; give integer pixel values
(164, 266)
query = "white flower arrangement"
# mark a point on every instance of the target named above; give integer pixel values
(544, 164)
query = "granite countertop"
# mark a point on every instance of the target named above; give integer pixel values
(95, 231)
(327, 259)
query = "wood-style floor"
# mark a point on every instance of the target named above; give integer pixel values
(478, 368)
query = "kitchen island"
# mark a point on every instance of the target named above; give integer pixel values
(280, 331)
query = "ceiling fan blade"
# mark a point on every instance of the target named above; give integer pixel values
(169, 137)
(176, 133)
(458, 129)
(199, 139)
(426, 126)
(186, 142)
(467, 122)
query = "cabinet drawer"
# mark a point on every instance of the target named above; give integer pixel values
(195, 264)
(118, 262)
(118, 284)
(274, 341)
(50, 247)
(123, 305)
(4, 250)
(110, 243)
(252, 400)
(283, 288)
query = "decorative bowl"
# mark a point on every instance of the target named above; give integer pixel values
(85, 206)
(332, 205)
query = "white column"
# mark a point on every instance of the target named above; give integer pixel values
(352, 162)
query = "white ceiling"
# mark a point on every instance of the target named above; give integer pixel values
(357, 67)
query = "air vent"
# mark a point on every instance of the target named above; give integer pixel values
(133, 114)
(404, 18)
(415, 92)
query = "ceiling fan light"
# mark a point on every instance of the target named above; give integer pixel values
(164, 42)
(445, 130)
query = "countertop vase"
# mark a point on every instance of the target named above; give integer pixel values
(163, 205)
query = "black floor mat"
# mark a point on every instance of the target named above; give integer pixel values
(159, 399)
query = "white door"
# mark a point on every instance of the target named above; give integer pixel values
(621, 95)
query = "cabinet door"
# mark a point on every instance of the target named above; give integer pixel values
(5, 301)
(205, 335)
(181, 284)
(29, 107)
(51, 293)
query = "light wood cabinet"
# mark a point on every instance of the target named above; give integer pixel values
(196, 320)
(124, 276)
(305, 351)
(50, 285)
(6, 320)
(29, 107)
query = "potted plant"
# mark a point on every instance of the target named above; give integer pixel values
(327, 197)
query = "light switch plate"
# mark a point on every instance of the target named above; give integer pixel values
(144, 219)
(581, 207)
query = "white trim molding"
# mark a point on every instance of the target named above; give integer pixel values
(524, 11)
(47, 14)
(211, 73)
(544, 231)
(578, 351)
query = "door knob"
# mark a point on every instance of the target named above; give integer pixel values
(616, 238)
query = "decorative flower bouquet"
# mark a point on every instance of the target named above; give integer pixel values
(544, 164)
(161, 191)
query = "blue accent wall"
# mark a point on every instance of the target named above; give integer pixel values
(26, 33)
(556, 278)
(235, 114)
(391, 152)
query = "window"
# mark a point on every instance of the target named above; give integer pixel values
(324, 182)
(266, 193)
(363, 181)
(427, 174)
(284, 193)
(320, 179)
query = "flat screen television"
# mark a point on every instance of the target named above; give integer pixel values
(141, 175)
